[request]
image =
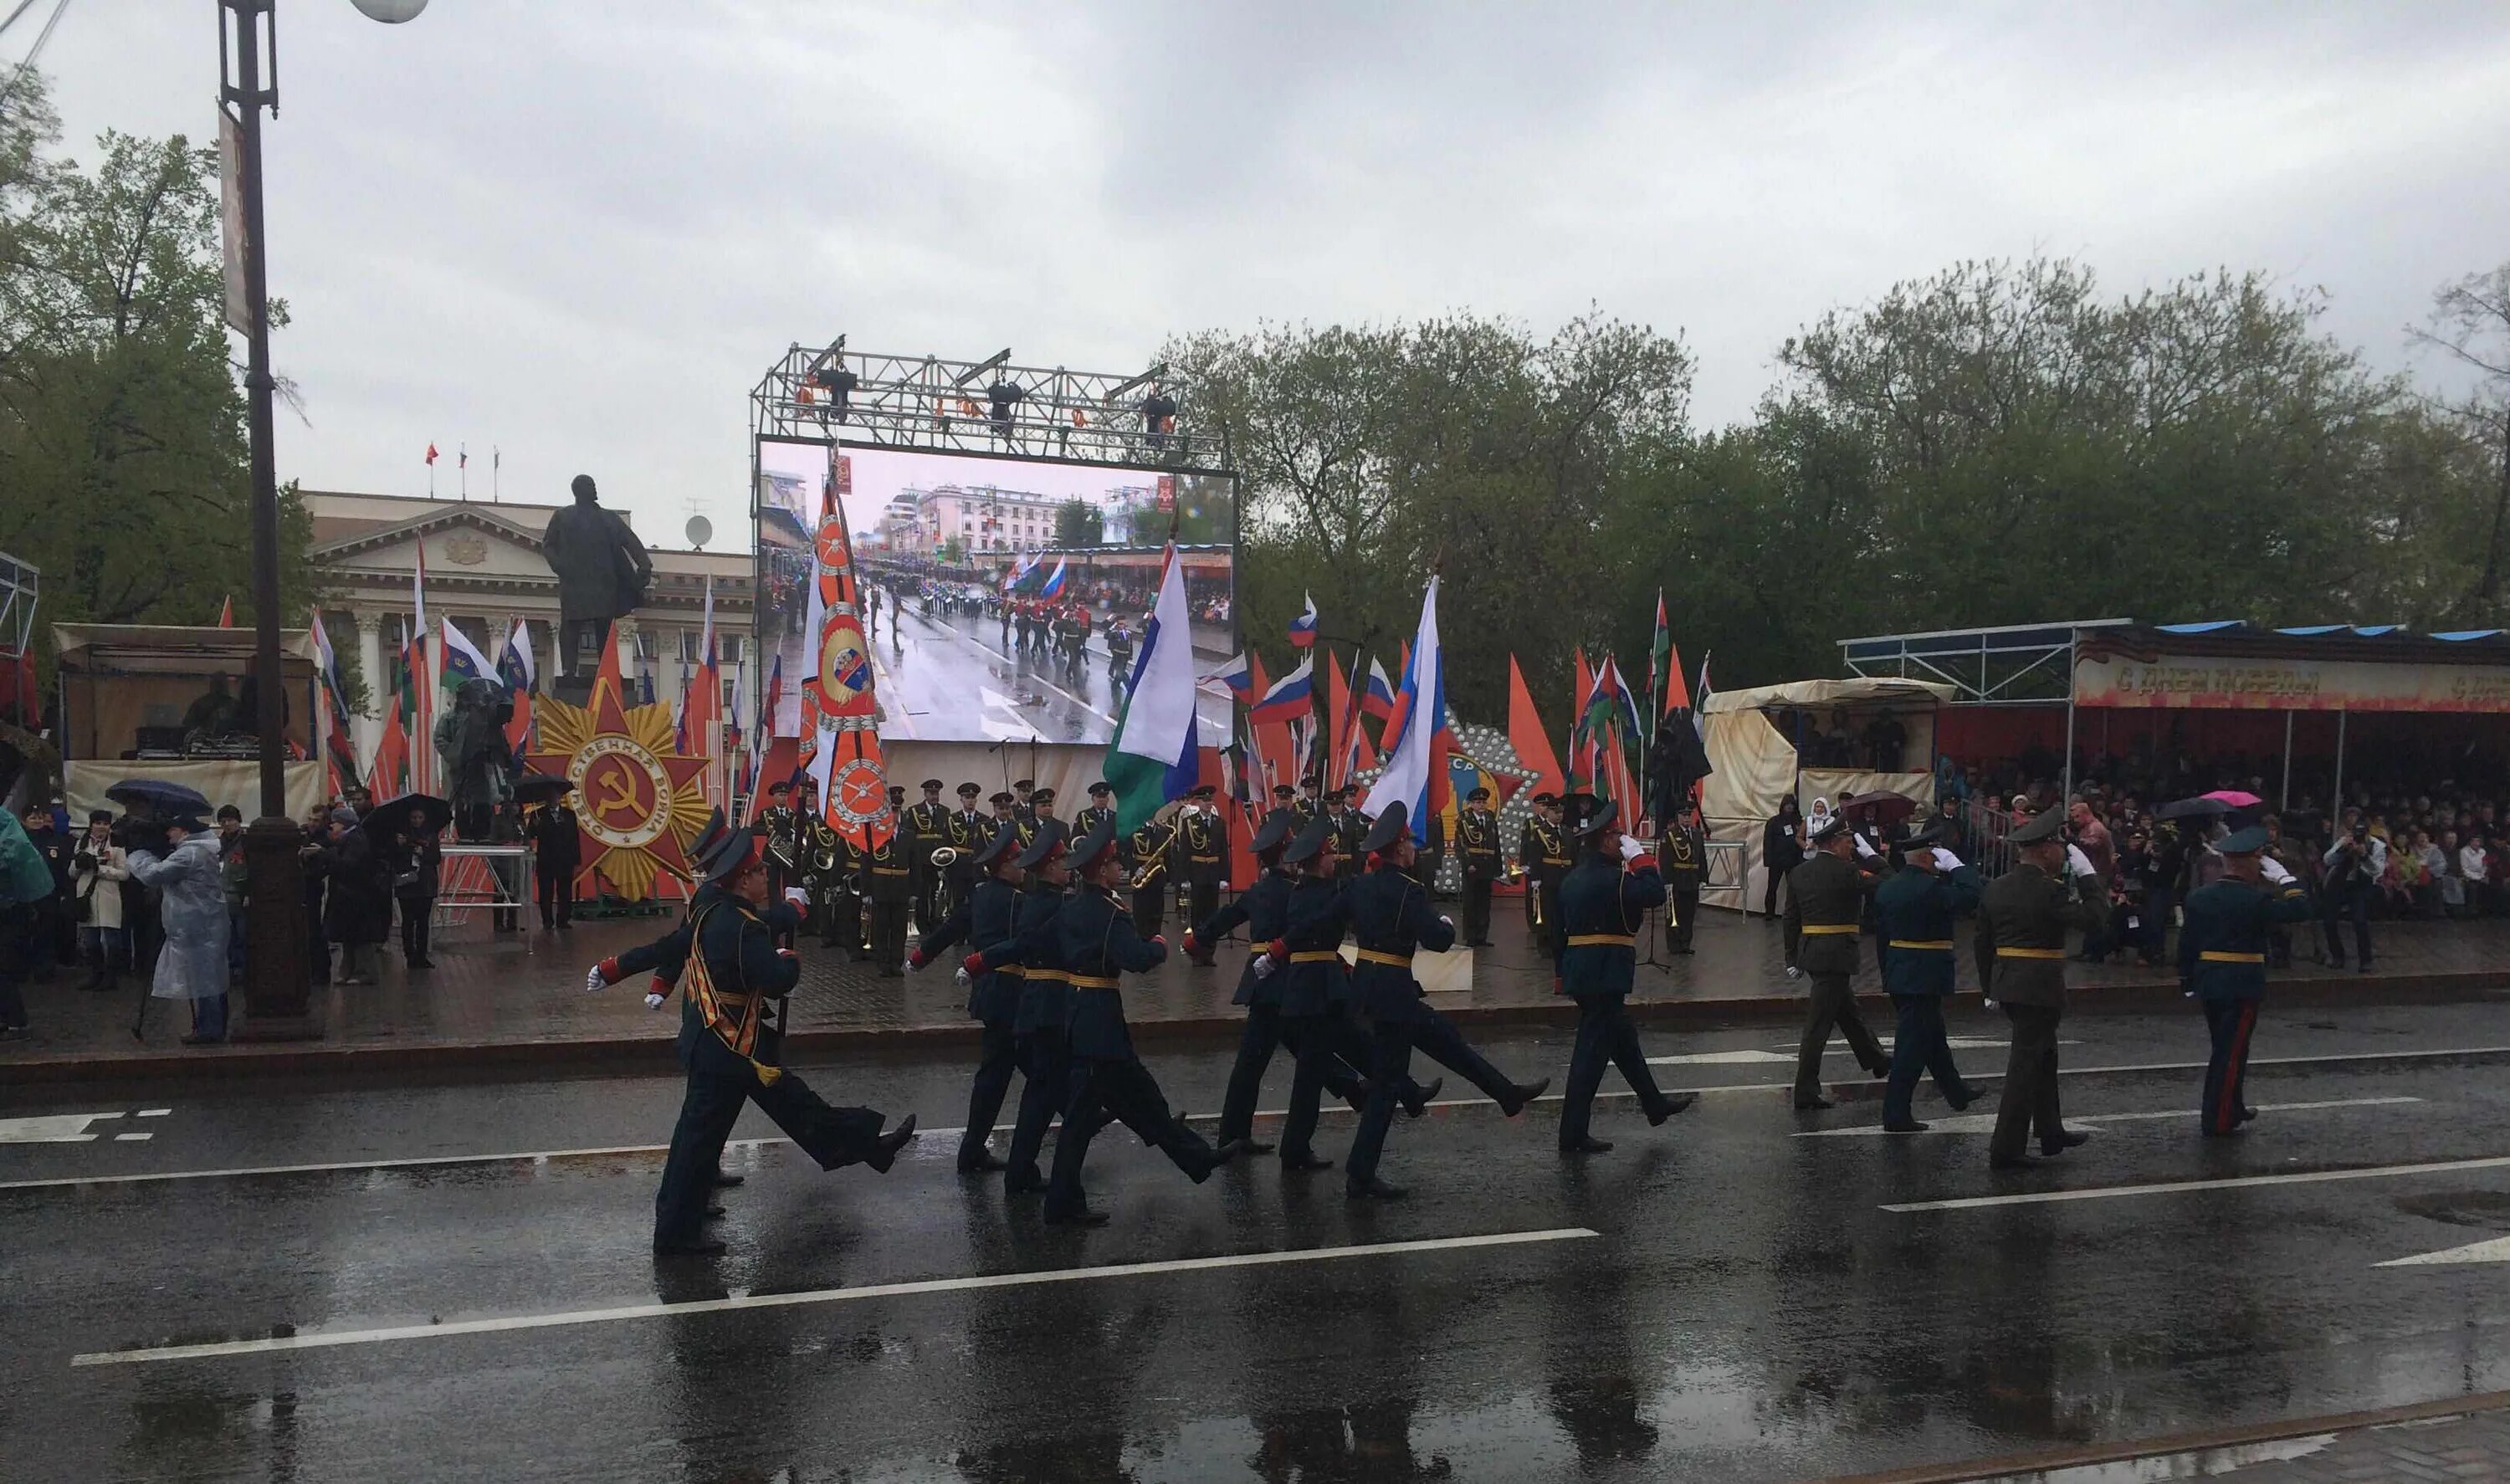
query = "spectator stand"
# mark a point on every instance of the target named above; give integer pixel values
(1812, 739)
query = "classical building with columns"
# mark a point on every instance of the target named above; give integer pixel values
(484, 570)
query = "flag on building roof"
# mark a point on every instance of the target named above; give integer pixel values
(1152, 759)
(1303, 629)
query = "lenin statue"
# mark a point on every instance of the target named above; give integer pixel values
(602, 573)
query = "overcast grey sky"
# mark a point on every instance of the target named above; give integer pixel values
(579, 230)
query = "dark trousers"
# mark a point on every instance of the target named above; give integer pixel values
(1605, 1037)
(210, 1017)
(2029, 1101)
(1268, 1029)
(1389, 1070)
(1120, 1091)
(1680, 914)
(1046, 1062)
(1770, 893)
(920, 910)
(719, 1082)
(12, 959)
(1833, 1003)
(553, 888)
(105, 949)
(43, 937)
(888, 934)
(2352, 902)
(1330, 1048)
(1919, 1045)
(1202, 898)
(997, 1058)
(2152, 929)
(2233, 1023)
(840, 923)
(1150, 909)
(317, 947)
(1477, 900)
(414, 913)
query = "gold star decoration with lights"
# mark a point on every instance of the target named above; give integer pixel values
(640, 803)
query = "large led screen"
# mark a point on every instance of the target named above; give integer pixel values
(1003, 594)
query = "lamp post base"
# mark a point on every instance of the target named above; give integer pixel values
(278, 978)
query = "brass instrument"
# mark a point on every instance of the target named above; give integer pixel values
(944, 856)
(1146, 874)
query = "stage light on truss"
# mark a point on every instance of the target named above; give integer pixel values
(838, 382)
(1005, 397)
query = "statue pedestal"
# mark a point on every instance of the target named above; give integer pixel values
(574, 690)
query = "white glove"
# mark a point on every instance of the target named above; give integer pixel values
(1264, 966)
(1862, 848)
(593, 983)
(654, 1000)
(1449, 921)
(798, 898)
(1946, 860)
(1793, 973)
(2077, 863)
(2274, 871)
(1631, 848)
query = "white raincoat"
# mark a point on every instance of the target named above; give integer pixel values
(193, 966)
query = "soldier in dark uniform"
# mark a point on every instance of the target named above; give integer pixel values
(1350, 828)
(2022, 920)
(1286, 797)
(970, 830)
(925, 824)
(1543, 855)
(1101, 811)
(832, 874)
(1109, 1083)
(739, 981)
(1917, 908)
(1201, 853)
(1477, 842)
(557, 854)
(1311, 798)
(1032, 956)
(783, 824)
(1433, 854)
(888, 885)
(984, 916)
(1007, 816)
(1264, 911)
(1388, 914)
(1023, 792)
(1685, 859)
(1041, 805)
(2222, 961)
(1604, 902)
(1825, 906)
(1146, 867)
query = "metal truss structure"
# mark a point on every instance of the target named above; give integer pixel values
(928, 402)
(19, 593)
(2021, 663)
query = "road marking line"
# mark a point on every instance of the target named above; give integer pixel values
(51, 1129)
(133, 1138)
(152, 1113)
(1985, 1123)
(321, 1340)
(2231, 1182)
(1040, 680)
(2493, 1250)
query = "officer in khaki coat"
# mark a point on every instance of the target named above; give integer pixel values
(2022, 920)
(1825, 907)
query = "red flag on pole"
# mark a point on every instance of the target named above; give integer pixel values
(226, 611)
(1526, 734)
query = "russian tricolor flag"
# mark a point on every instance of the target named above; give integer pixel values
(1291, 697)
(1236, 676)
(1053, 585)
(1303, 629)
(1416, 763)
(1377, 699)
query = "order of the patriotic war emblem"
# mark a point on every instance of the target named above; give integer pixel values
(845, 662)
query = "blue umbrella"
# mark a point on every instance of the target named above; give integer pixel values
(157, 797)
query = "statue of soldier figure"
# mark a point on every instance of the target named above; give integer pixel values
(602, 572)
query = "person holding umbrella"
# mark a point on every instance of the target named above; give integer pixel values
(192, 965)
(356, 908)
(557, 848)
(412, 823)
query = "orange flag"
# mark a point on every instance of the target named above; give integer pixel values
(1337, 719)
(226, 611)
(1526, 734)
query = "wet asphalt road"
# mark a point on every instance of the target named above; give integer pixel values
(1744, 1307)
(955, 680)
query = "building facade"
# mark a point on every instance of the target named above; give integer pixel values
(484, 570)
(925, 523)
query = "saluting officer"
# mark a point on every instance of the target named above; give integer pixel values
(1109, 1083)
(1477, 843)
(1032, 956)
(2022, 920)
(1100, 811)
(1388, 914)
(1825, 904)
(1604, 902)
(1202, 860)
(927, 826)
(1685, 859)
(984, 916)
(2222, 963)
(738, 980)
(1265, 909)
(1918, 907)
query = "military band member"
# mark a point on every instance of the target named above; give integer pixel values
(1604, 903)
(1108, 1080)
(1286, 797)
(1682, 854)
(1351, 829)
(968, 831)
(782, 824)
(1101, 810)
(985, 916)
(1022, 790)
(1007, 816)
(927, 827)
(1825, 912)
(1542, 854)
(1032, 956)
(1312, 802)
(1202, 855)
(1918, 907)
(1146, 860)
(1040, 807)
(2222, 963)
(1388, 914)
(832, 876)
(1264, 909)
(889, 891)
(739, 980)
(2022, 920)
(1477, 843)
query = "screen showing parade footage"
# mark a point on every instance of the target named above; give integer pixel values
(1005, 599)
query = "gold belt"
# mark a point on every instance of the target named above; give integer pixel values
(1047, 973)
(1316, 956)
(1092, 981)
(1602, 941)
(1204, 859)
(2057, 953)
(1012, 971)
(1944, 944)
(889, 870)
(1812, 928)
(1396, 960)
(2215, 956)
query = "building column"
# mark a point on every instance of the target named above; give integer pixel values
(367, 727)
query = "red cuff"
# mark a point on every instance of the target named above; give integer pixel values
(660, 986)
(974, 962)
(1280, 948)
(1189, 939)
(1643, 862)
(917, 959)
(609, 971)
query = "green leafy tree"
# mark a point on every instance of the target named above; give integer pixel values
(1079, 523)
(2470, 323)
